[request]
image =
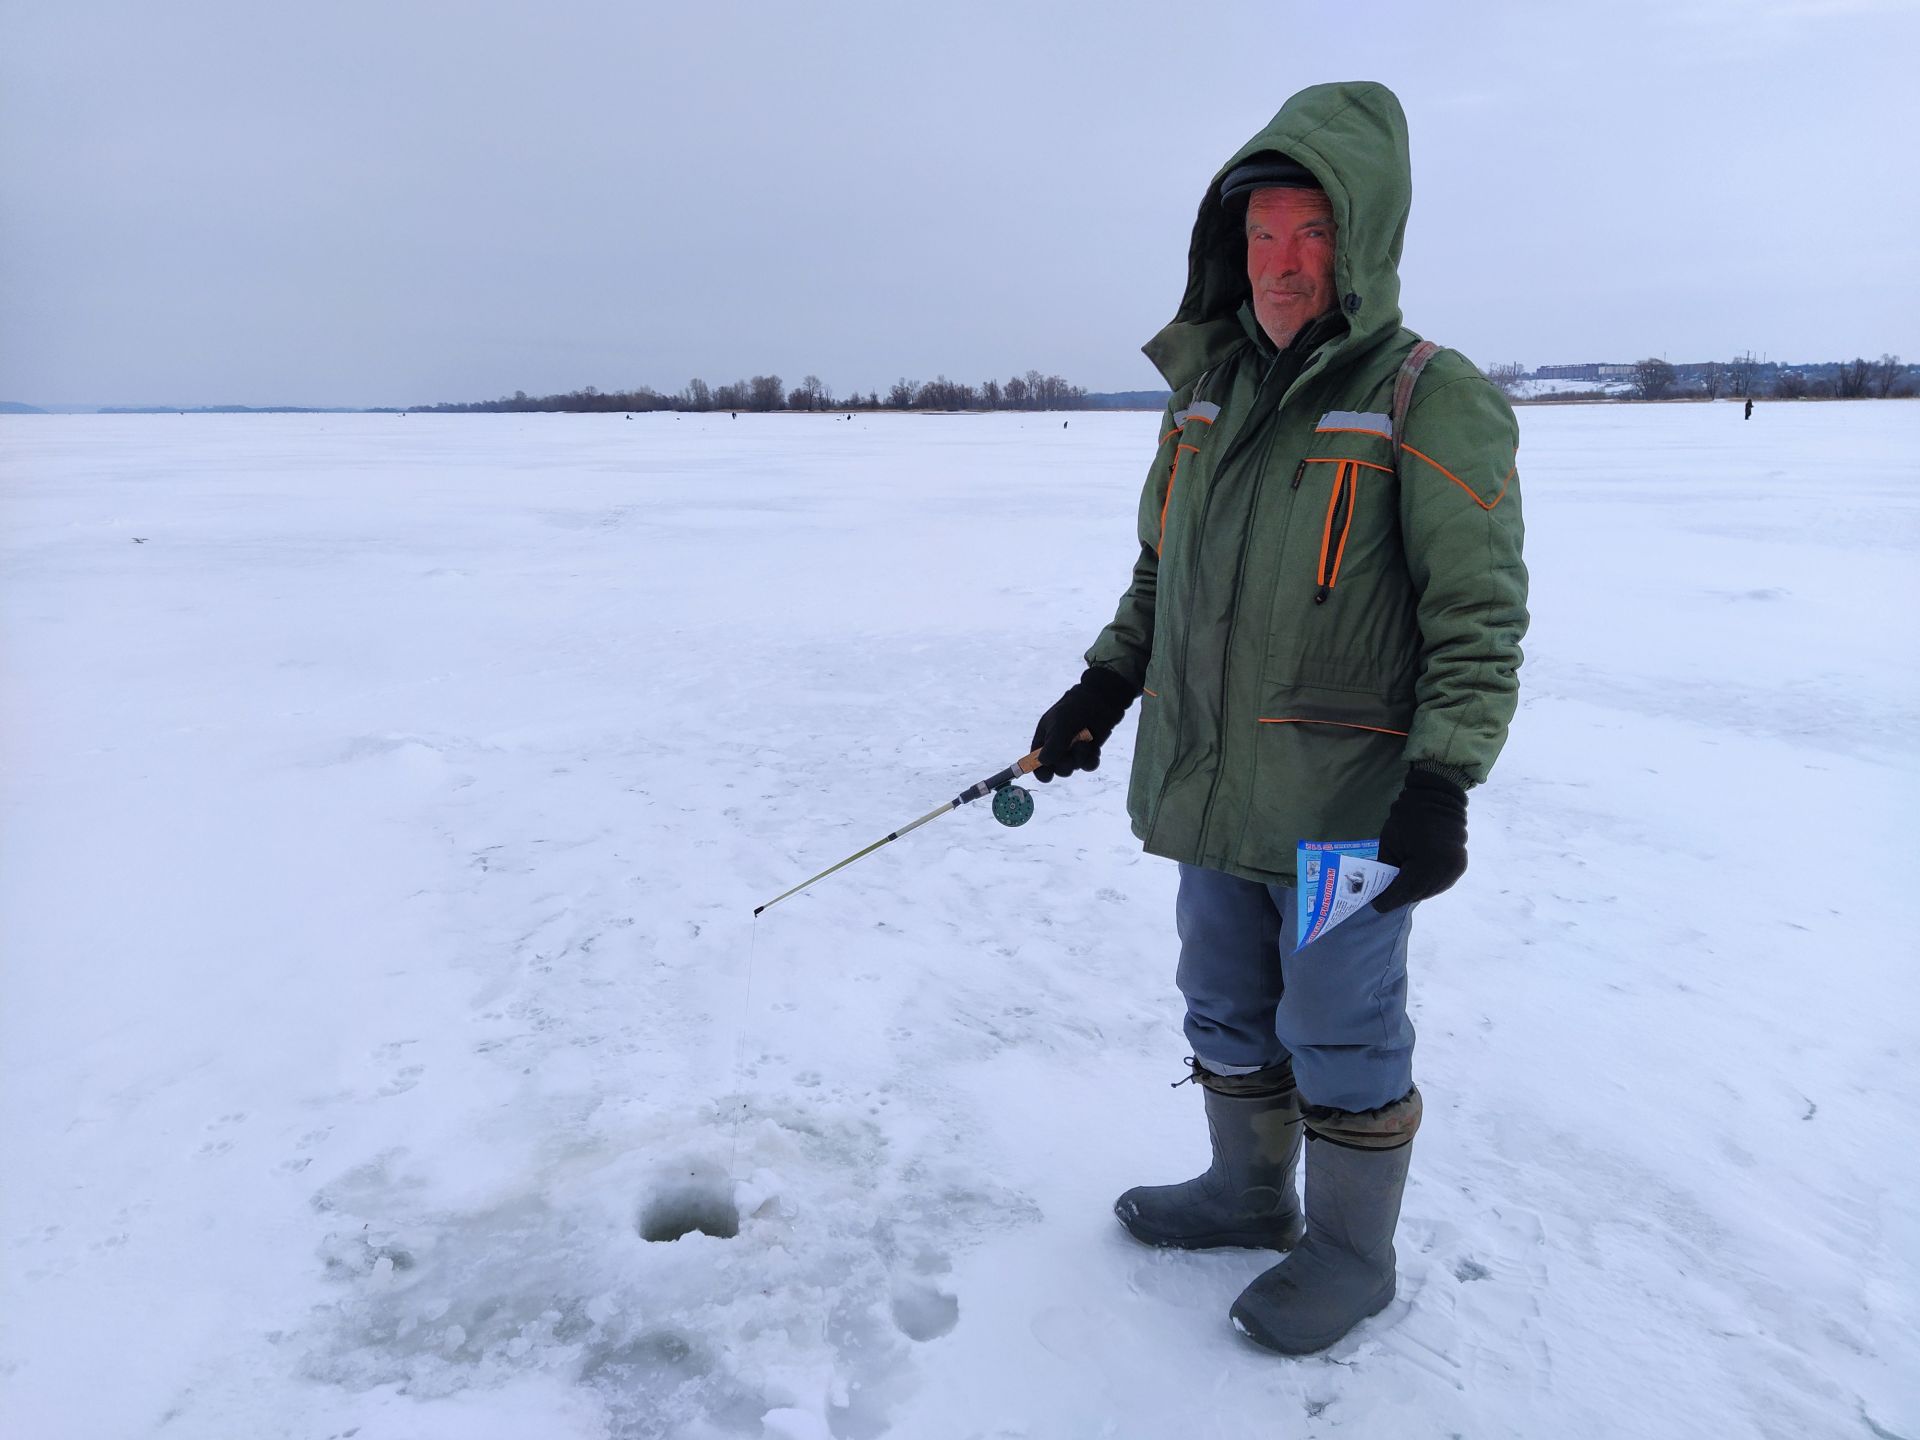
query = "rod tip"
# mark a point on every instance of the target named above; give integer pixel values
(756, 911)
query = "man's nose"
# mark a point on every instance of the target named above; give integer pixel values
(1284, 258)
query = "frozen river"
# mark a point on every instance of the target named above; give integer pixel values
(387, 799)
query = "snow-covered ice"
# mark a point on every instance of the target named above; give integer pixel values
(381, 838)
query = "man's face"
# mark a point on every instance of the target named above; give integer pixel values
(1290, 237)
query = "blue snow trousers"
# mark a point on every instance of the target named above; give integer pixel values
(1338, 1007)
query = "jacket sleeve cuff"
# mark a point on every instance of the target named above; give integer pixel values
(1452, 774)
(1111, 687)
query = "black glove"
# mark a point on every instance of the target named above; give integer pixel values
(1426, 836)
(1094, 706)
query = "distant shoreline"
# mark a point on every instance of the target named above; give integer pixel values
(1547, 401)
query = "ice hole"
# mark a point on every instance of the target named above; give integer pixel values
(924, 1313)
(702, 1202)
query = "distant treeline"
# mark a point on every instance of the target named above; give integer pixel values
(248, 410)
(1032, 391)
(1741, 378)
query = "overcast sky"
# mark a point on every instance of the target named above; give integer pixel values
(402, 202)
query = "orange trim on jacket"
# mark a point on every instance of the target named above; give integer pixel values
(1483, 504)
(1175, 471)
(1342, 460)
(1172, 475)
(1326, 526)
(1353, 504)
(1345, 480)
(1343, 724)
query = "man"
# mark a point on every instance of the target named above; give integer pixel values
(1323, 630)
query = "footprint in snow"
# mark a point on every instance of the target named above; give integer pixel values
(401, 1081)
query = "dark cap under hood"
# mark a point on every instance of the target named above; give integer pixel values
(1352, 136)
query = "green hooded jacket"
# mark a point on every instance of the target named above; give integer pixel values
(1315, 608)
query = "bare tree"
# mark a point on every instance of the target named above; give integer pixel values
(1713, 377)
(1790, 385)
(1507, 378)
(940, 393)
(699, 397)
(1886, 371)
(813, 395)
(900, 396)
(1741, 370)
(1852, 380)
(1653, 379)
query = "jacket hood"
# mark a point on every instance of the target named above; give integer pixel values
(1353, 137)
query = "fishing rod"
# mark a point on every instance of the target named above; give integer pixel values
(1011, 806)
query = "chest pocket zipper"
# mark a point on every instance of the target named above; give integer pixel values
(1333, 534)
(1205, 413)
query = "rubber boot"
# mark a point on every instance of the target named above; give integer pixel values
(1247, 1197)
(1344, 1270)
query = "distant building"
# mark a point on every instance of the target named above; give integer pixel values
(1584, 372)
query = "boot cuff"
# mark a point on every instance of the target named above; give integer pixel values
(1387, 1128)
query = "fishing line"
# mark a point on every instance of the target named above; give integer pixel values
(740, 1050)
(1011, 806)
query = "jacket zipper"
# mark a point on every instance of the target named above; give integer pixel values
(1245, 438)
(1340, 514)
(1233, 622)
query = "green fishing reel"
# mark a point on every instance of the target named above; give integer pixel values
(1012, 805)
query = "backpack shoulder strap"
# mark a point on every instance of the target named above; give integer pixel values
(1409, 376)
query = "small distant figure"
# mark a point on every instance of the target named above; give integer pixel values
(736, 414)
(1063, 424)
(629, 417)
(139, 539)
(1749, 411)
